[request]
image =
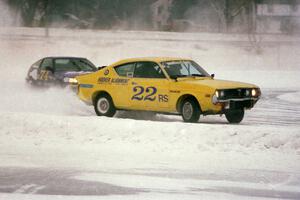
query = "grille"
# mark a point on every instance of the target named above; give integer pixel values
(235, 93)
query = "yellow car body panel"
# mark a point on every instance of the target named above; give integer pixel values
(153, 94)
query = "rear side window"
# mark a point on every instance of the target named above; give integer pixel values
(125, 70)
(47, 63)
(148, 70)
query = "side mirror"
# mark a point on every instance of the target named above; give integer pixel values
(212, 76)
(101, 67)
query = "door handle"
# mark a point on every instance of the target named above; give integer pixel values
(133, 83)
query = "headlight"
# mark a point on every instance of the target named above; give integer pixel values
(70, 80)
(219, 93)
(253, 92)
(256, 92)
(222, 93)
(73, 80)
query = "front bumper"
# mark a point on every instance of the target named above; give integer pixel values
(234, 104)
(239, 98)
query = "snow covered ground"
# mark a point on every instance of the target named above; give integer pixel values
(52, 146)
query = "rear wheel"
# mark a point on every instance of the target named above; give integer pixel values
(104, 106)
(190, 111)
(235, 116)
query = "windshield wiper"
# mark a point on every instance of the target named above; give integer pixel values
(177, 76)
(198, 75)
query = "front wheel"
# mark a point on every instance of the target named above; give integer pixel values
(190, 111)
(104, 106)
(235, 116)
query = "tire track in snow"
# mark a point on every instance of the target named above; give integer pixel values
(29, 189)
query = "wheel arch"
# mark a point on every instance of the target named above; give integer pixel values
(183, 98)
(98, 93)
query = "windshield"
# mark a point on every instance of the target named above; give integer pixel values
(184, 68)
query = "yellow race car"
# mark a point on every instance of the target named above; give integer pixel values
(165, 85)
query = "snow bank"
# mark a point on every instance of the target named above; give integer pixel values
(171, 137)
(174, 143)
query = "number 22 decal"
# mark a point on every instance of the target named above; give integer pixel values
(139, 90)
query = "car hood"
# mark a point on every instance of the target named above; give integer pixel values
(62, 75)
(218, 84)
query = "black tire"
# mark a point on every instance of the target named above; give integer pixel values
(235, 116)
(190, 110)
(104, 106)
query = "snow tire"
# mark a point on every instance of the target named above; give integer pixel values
(235, 116)
(104, 106)
(190, 110)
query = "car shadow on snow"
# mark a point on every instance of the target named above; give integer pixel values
(151, 116)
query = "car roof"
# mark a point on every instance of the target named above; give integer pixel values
(63, 57)
(149, 59)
